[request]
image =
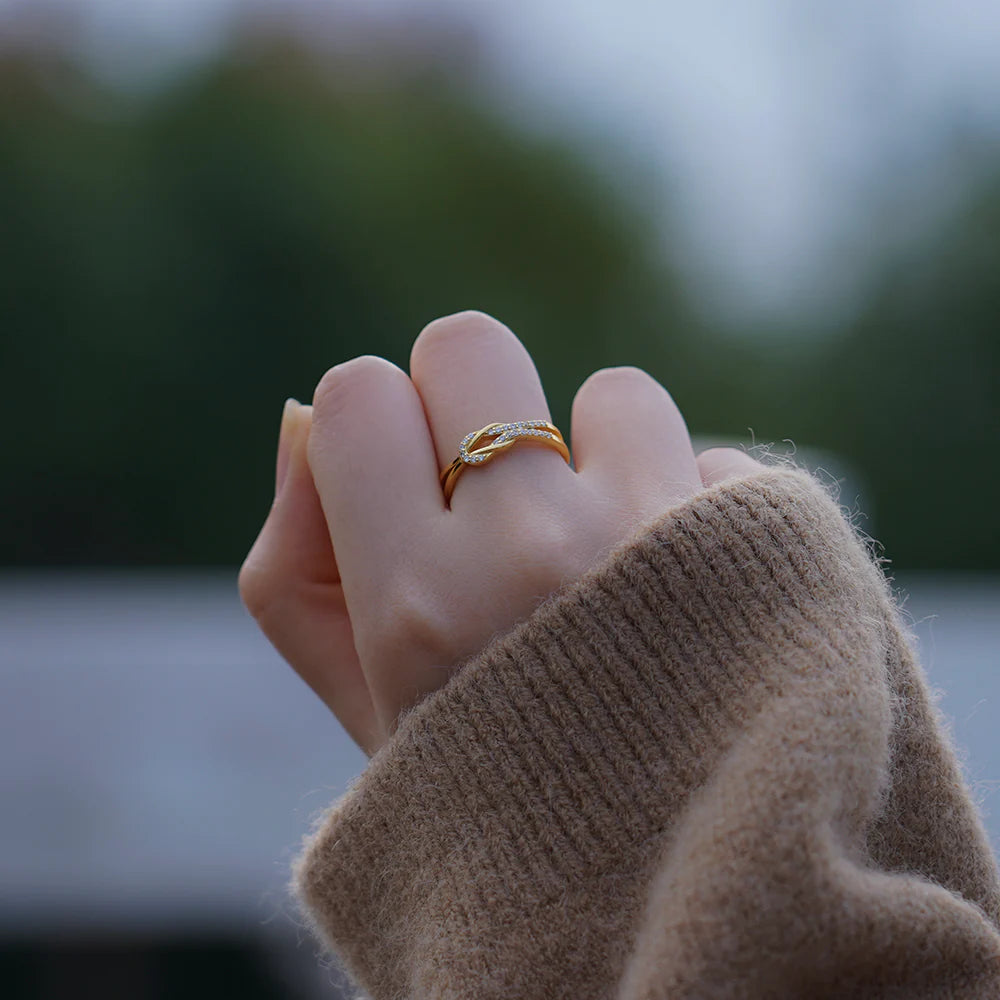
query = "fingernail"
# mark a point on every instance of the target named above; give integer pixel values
(284, 443)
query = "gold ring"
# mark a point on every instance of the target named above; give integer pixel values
(482, 445)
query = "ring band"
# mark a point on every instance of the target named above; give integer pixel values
(482, 445)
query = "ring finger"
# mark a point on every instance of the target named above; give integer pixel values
(470, 370)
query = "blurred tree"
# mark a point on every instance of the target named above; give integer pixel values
(908, 394)
(170, 275)
(171, 271)
(912, 394)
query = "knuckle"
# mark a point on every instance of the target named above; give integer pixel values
(257, 588)
(624, 378)
(716, 464)
(636, 387)
(347, 381)
(442, 334)
(722, 453)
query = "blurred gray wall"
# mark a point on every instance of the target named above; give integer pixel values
(159, 763)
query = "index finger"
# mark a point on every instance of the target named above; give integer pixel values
(373, 462)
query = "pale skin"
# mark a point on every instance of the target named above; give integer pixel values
(373, 588)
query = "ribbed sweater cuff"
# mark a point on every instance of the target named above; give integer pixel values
(552, 765)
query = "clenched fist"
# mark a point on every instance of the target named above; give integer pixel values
(373, 587)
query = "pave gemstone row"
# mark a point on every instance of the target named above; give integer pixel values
(500, 435)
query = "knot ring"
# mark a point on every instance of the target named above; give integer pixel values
(481, 446)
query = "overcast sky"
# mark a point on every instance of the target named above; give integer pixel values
(780, 127)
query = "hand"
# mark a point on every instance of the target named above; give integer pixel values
(365, 580)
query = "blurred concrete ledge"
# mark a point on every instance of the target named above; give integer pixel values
(159, 763)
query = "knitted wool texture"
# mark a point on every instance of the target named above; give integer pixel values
(708, 769)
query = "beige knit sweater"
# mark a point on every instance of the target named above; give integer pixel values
(708, 769)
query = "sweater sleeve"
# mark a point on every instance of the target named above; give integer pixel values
(708, 769)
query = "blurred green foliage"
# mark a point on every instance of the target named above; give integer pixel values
(170, 272)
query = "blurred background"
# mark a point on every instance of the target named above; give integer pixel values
(789, 213)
